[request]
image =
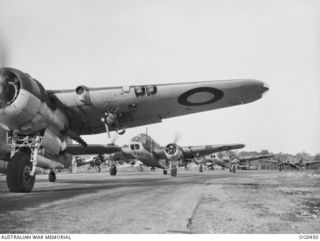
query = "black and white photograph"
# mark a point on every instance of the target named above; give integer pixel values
(167, 117)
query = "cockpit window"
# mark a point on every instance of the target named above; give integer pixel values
(132, 147)
(136, 146)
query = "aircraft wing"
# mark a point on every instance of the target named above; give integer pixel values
(142, 105)
(312, 163)
(192, 151)
(91, 149)
(253, 158)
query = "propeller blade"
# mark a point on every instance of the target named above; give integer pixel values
(177, 137)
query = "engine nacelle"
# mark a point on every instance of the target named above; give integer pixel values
(234, 160)
(25, 105)
(98, 160)
(53, 143)
(174, 152)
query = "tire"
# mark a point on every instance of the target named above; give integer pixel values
(174, 172)
(113, 170)
(200, 168)
(165, 172)
(18, 178)
(234, 169)
(52, 177)
(98, 169)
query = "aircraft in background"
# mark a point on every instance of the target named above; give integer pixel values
(299, 165)
(233, 162)
(94, 161)
(143, 148)
(41, 123)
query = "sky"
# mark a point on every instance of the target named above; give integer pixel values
(120, 42)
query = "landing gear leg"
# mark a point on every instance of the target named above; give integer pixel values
(22, 166)
(52, 176)
(174, 169)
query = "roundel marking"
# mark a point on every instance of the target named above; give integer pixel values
(200, 96)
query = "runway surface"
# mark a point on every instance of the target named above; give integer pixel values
(209, 202)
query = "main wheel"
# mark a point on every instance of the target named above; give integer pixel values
(113, 170)
(153, 169)
(200, 168)
(165, 172)
(174, 172)
(52, 176)
(234, 169)
(18, 173)
(98, 169)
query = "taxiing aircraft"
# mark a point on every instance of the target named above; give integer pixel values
(41, 122)
(143, 148)
(233, 163)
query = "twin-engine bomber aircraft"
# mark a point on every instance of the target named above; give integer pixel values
(143, 148)
(294, 163)
(234, 162)
(42, 122)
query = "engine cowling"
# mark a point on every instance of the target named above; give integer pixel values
(174, 152)
(98, 160)
(25, 105)
(234, 160)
